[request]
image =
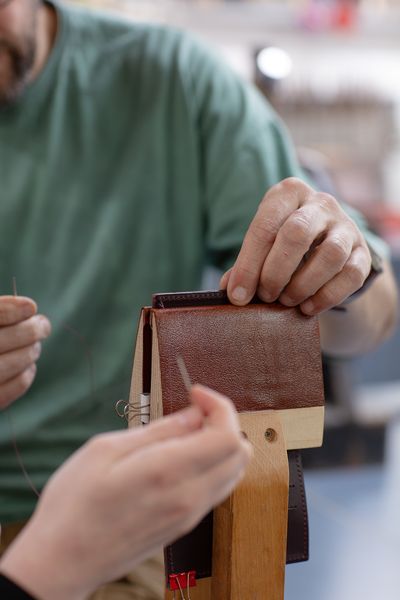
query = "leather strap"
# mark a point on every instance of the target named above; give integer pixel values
(261, 356)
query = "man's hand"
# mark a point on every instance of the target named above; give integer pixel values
(21, 331)
(301, 249)
(124, 495)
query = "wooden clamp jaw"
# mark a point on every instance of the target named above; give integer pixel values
(250, 527)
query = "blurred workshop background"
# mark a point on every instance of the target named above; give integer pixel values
(331, 68)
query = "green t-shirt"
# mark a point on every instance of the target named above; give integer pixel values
(131, 162)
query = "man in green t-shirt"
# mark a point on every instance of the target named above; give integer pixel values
(130, 158)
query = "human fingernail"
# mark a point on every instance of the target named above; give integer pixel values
(239, 294)
(28, 309)
(45, 326)
(308, 307)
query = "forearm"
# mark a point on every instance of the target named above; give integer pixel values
(366, 322)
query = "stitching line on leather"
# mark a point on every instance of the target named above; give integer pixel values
(304, 505)
(163, 298)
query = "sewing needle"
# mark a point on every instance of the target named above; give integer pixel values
(184, 373)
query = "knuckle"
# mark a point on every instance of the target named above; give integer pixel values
(296, 291)
(160, 478)
(335, 250)
(327, 297)
(246, 271)
(297, 230)
(264, 230)
(327, 201)
(267, 291)
(169, 478)
(354, 274)
(292, 185)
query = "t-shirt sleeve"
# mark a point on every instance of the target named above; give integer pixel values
(244, 148)
(11, 591)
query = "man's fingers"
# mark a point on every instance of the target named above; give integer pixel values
(14, 309)
(294, 239)
(16, 387)
(13, 363)
(298, 241)
(324, 263)
(283, 199)
(25, 333)
(348, 281)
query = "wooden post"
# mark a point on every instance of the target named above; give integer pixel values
(250, 527)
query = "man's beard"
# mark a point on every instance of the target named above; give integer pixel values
(16, 62)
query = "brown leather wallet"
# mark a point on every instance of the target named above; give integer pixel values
(261, 356)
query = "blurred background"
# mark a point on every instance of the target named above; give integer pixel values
(331, 68)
